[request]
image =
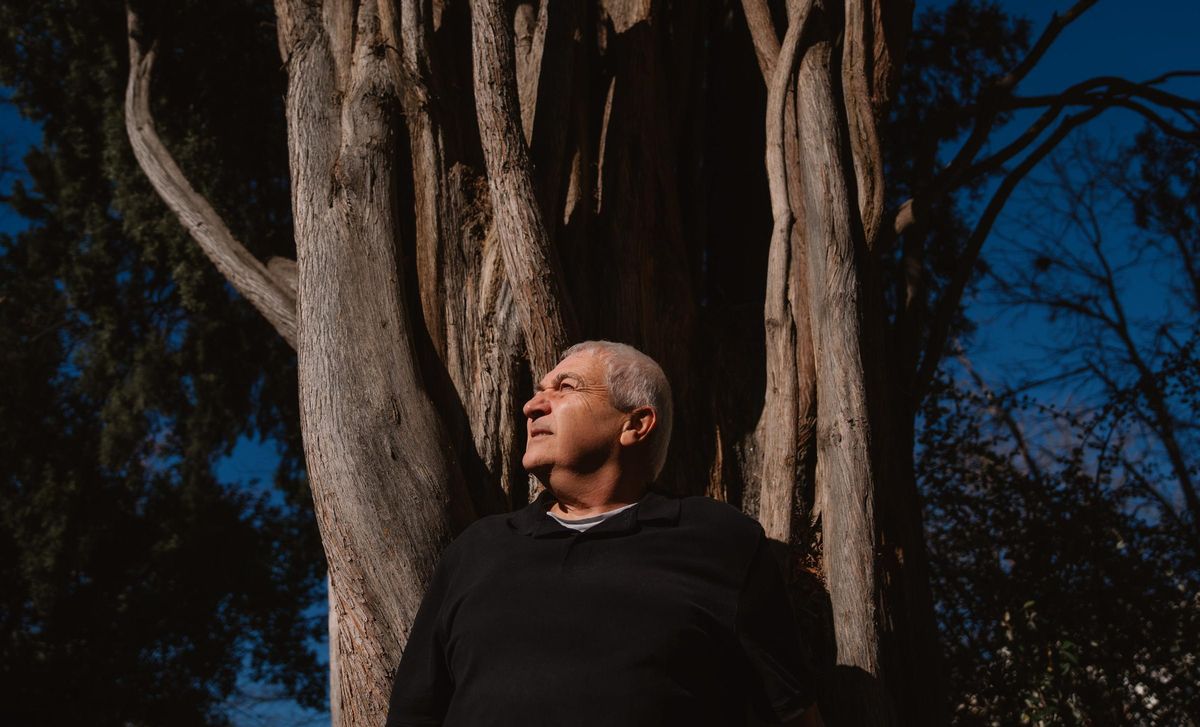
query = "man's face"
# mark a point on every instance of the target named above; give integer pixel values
(570, 422)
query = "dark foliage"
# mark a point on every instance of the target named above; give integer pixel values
(137, 587)
(953, 53)
(1060, 601)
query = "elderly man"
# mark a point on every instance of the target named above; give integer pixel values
(603, 602)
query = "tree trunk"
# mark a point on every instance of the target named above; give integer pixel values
(495, 251)
(845, 446)
(386, 488)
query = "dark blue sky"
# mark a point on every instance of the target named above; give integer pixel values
(1134, 41)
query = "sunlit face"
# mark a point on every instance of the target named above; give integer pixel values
(570, 422)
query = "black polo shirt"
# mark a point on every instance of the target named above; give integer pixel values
(671, 612)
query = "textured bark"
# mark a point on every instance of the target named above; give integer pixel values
(777, 434)
(384, 483)
(845, 452)
(530, 262)
(872, 52)
(285, 274)
(466, 301)
(762, 30)
(858, 77)
(633, 260)
(814, 280)
(782, 473)
(874, 34)
(552, 82)
(335, 659)
(530, 23)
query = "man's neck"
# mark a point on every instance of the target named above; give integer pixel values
(575, 499)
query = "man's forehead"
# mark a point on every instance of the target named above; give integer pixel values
(584, 363)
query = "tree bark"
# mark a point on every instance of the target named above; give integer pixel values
(531, 263)
(845, 447)
(783, 433)
(465, 298)
(635, 255)
(387, 490)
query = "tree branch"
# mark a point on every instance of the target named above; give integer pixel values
(989, 107)
(952, 296)
(273, 299)
(781, 81)
(1081, 94)
(1162, 421)
(1057, 24)
(1165, 126)
(762, 32)
(1113, 85)
(997, 160)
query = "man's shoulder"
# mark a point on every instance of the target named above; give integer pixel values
(705, 507)
(717, 517)
(483, 529)
(718, 533)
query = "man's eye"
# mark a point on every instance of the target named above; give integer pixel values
(566, 385)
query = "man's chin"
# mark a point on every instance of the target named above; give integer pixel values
(537, 468)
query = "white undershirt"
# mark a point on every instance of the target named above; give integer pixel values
(584, 523)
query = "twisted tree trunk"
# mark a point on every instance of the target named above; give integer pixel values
(387, 489)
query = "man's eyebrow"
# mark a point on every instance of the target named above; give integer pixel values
(559, 379)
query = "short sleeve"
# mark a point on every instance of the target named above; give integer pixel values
(780, 681)
(423, 685)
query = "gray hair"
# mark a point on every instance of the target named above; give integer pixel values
(634, 379)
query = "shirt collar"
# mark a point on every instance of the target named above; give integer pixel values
(652, 508)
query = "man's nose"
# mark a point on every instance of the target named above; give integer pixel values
(536, 407)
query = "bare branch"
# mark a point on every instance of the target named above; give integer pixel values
(1113, 85)
(1141, 483)
(1053, 378)
(952, 296)
(987, 109)
(1099, 92)
(762, 32)
(1096, 298)
(1016, 146)
(1165, 126)
(1081, 94)
(1163, 422)
(285, 274)
(1057, 24)
(246, 274)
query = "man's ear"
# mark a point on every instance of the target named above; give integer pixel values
(638, 426)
